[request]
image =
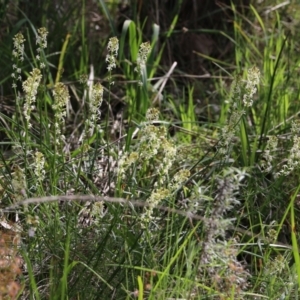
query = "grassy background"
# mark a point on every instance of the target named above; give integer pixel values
(227, 228)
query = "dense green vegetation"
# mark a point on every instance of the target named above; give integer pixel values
(125, 175)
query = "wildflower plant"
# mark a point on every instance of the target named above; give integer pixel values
(113, 48)
(111, 57)
(235, 112)
(219, 255)
(61, 97)
(41, 41)
(293, 161)
(269, 154)
(159, 194)
(95, 102)
(39, 166)
(241, 98)
(225, 200)
(30, 87)
(18, 56)
(19, 184)
(95, 212)
(253, 76)
(155, 152)
(153, 148)
(18, 51)
(143, 53)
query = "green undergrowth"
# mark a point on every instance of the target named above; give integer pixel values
(166, 197)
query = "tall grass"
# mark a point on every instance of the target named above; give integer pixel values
(154, 203)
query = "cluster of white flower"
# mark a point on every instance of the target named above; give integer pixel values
(94, 105)
(144, 51)
(30, 87)
(18, 51)
(41, 41)
(154, 151)
(19, 184)
(113, 48)
(18, 55)
(293, 161)
(61, 97)
(160, 194)
(218, 254)
(253, 77)
(153, 144)
(39, 165)
(268, 156)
